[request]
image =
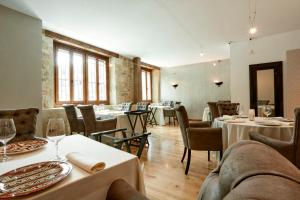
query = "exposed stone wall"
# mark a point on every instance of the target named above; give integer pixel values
(121, 80)
(47, 73)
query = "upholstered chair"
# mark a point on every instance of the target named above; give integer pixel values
(121, 190)
(213, 110)
(93, 125)
(126, 106)
(198, 136)
(289, 149)
(228, 108)
(24, 120)
(76, 124)
(252, 170)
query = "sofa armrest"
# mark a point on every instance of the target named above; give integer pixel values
(205, 139)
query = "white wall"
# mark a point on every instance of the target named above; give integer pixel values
(266, 49)
(196, 86)
(20, 60)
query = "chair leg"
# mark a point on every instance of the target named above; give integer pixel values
(169, 120)
(188, 162)
(174, 121)
(221, 155)
(208, 155)
(183, 156)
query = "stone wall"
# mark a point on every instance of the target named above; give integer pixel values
(47, 73)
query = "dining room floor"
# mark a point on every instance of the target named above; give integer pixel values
(164, 173)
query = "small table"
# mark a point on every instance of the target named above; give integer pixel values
(234, 132)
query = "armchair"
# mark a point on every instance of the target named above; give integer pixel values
(25, 122)
(228, 108)
(289, 149)
(198, 136)
(76, 124)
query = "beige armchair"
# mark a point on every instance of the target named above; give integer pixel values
(25, 122)
(198, 136)
(289, 149)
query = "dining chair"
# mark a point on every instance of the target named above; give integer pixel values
(121, 190)
(214, 111)
(228, 108)
(76, 124)
(126, 106)
(289, 149)
(170, 112)
(198, 136)
(93, 125)
(24, 120)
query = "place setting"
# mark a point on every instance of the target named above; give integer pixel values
(39, 176)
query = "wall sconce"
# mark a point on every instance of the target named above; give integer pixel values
(218, 83)
(175, 85)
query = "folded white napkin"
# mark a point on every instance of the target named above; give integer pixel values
(85, 162)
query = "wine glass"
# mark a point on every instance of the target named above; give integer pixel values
(55, 133)
(267, 110)
(7, 132)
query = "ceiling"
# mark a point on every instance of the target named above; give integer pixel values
(162, 32)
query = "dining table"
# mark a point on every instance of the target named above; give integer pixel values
(237, 129)
(158, 113)
(80, 184)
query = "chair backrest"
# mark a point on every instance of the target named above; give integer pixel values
(213, 110)
(263, 102)
(126, 106)
(296, 137)
(25, 122)
(228, 108)
(142, 106)
(89, 118)
(72, 117)
(183, 123)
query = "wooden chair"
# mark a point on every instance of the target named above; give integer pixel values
(25, 122)
(228, 108)
(198, 136)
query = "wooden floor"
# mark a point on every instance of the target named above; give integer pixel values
(164, 173)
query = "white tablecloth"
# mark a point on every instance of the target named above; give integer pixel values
(234, 132)
(206, 114)
(80, 184)
(159, 114)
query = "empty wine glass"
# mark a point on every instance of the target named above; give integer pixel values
(7, 132)
(55, 133)
(267, 110)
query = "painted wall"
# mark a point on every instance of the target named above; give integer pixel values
(293, 74)
(266, 49)
(20, 60)
(196, 86)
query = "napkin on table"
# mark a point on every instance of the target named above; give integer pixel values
(85, 162)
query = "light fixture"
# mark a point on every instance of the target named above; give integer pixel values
(252, 30)
(175, 84)
(218, 83)
(201, 54)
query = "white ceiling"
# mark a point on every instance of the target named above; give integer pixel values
(162, 32)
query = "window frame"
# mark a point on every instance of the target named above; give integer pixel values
(85, 54)
(151, 92)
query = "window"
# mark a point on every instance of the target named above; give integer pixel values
(146, 84)
(80, 76)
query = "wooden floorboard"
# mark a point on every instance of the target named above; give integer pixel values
(164, 173)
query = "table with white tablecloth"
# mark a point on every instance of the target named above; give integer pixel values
(80, 184)
(159, 113)
(206, 114)
(234, 132)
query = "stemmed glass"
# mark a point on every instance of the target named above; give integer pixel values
(267, 110)
(7, 132)
(55, 133)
